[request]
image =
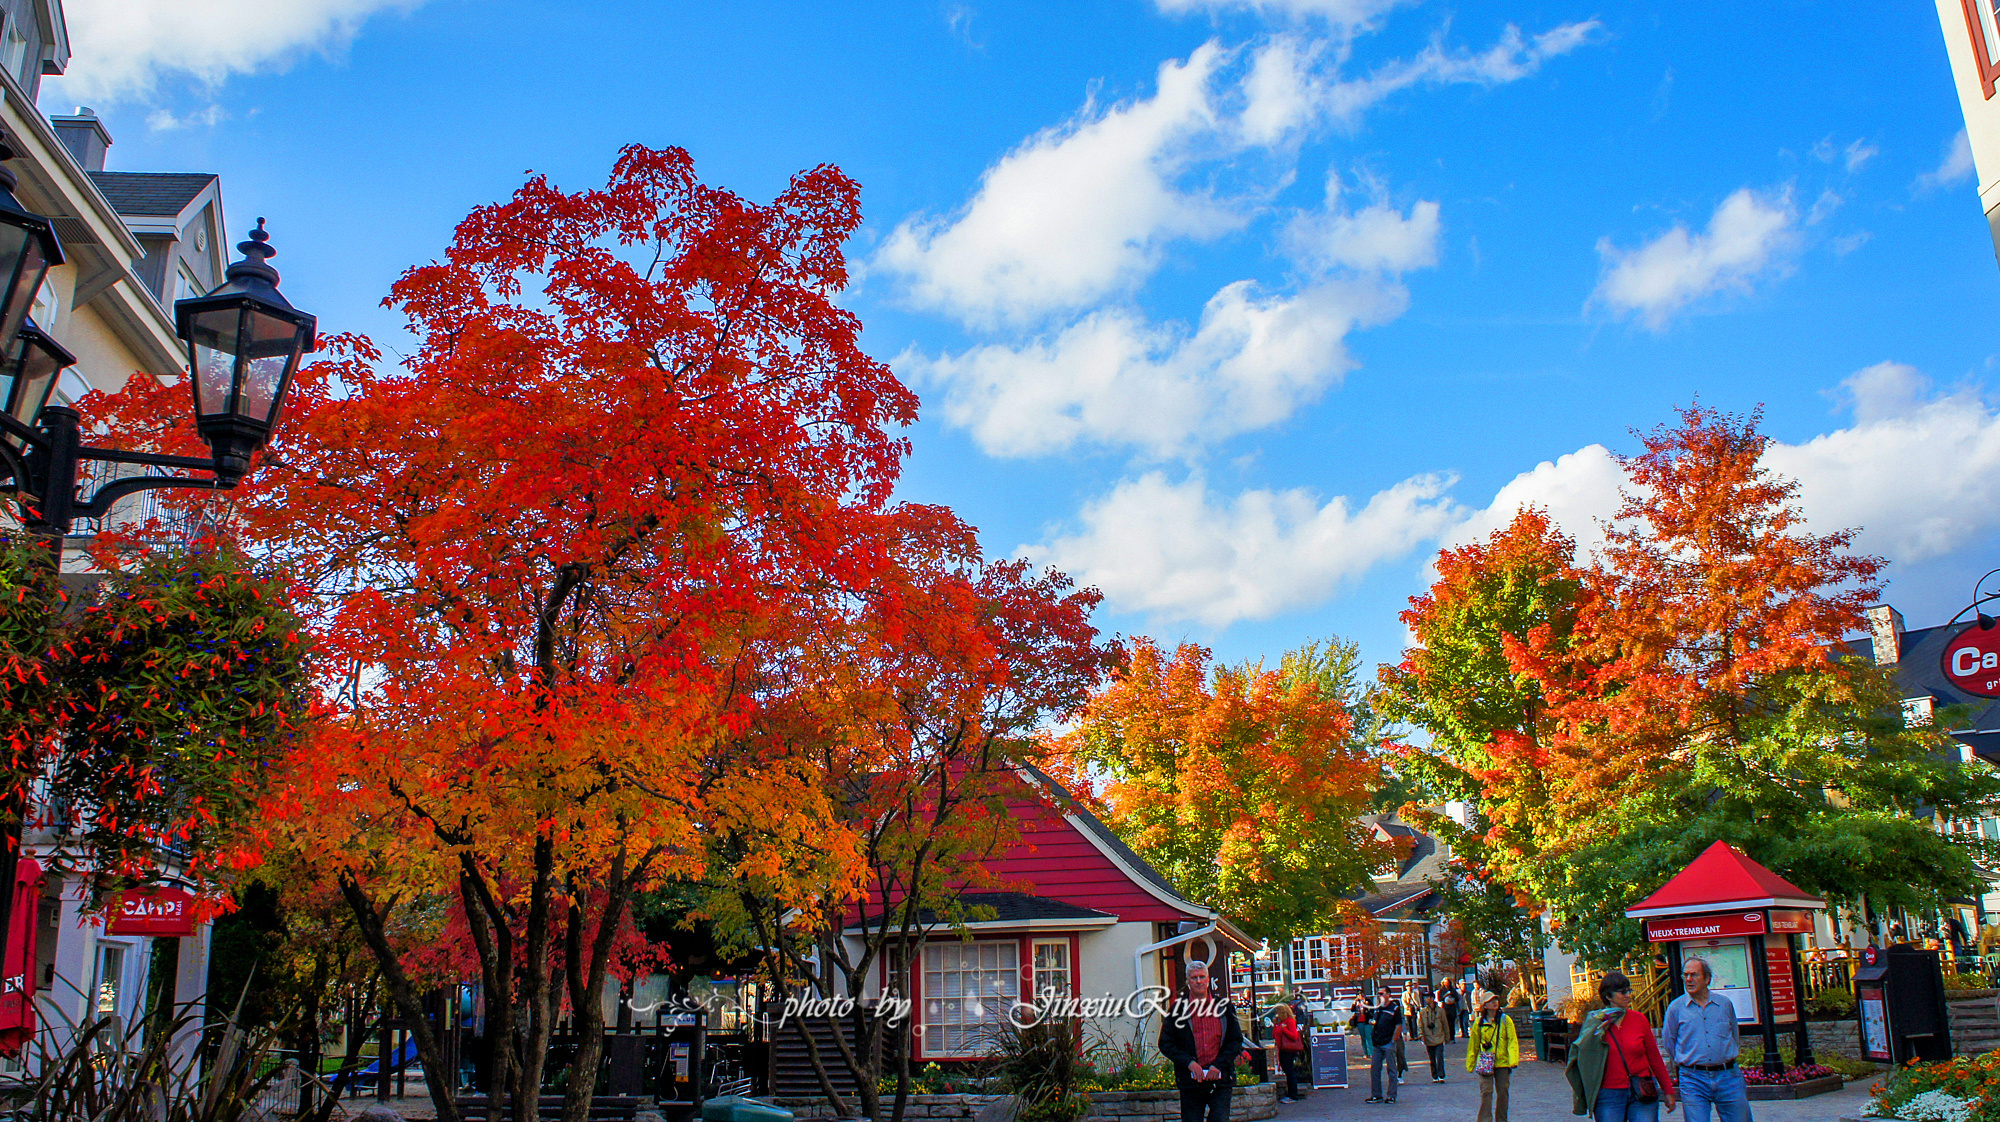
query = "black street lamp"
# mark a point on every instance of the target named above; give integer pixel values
(245, 341)
(28, 247)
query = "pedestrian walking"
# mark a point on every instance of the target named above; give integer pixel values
(1449, 997)
(1363, 1013)
(1434, 1029)
(1492, 1052)
(1615, 1070)
(1291, 1050)
(1201, 1039)
(1699, 1036)
(1303, 1013)
(1385, 1028)
(1409, 1010)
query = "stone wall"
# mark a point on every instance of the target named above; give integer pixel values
(1833, 1038)
(1246, 1103)
(1975, 1020)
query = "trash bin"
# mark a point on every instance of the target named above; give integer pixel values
(738, 1108)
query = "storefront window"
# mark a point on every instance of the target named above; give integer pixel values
(968, 989)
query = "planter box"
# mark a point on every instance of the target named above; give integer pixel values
(1805, 1090)
(1246, 1104)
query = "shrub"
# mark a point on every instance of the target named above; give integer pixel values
(1830, 1003)
(1964, 1090)
(1974, 981)
(1042, 1064)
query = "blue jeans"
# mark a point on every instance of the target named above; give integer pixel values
(1616, 1104)
(1723, 1092)
(1384, 1057)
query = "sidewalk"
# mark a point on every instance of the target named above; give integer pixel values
(1539, 1094)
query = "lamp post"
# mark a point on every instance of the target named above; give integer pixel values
(245, 341)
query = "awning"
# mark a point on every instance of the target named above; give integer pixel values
(17, 974)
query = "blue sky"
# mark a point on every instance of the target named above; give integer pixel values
(1236, 310)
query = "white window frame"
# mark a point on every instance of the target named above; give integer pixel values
(998, 985)
(1037, 971)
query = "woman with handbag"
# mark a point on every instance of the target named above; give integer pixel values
(1616, 1072)
(1492, 1052)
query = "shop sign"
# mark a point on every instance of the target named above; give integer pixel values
(152, 911)
(1791, 923)
(1676, 929)
(1971, 661)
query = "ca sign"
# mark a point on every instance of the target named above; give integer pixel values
(1971, 662)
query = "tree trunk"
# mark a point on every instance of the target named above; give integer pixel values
(586, 973)
(400, 991)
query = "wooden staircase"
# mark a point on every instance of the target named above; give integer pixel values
(791, 1066)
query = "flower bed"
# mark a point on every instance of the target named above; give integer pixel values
(1964, 1090)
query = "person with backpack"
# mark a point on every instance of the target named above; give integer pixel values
(1291, 1049)
(1434, 1029)
(1492, 1052)
(1385, 1030)
(1451, 999)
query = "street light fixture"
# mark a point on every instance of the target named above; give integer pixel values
(30, 373)
(246, 340)
(28, 247)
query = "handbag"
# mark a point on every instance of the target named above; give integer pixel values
(1484, 1064)
(1645, 1088)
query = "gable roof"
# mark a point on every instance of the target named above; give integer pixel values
(151, 193)
(1019, 909)
(1129, 864)
(1720, 879)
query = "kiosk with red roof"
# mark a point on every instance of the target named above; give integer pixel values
(1745, 921)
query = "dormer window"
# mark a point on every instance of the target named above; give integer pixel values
(14, 52)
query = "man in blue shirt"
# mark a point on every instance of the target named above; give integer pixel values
(1700, 1039)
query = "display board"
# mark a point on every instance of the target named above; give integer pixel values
(1329, 1054)
(1874, 1024)
(1784, 999)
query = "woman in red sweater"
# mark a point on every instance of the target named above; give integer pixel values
(1291, 1049)
(1632, 1056)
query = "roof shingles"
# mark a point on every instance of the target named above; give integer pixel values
(150, 192)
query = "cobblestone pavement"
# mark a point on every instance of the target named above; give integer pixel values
(1539, 1094)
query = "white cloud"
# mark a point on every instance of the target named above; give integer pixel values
(1341, 13)
(1377, 238)
(1083, 212)
(160, 120)
(1578, 489)
(1076, 213)
(1853, 157)
(1751, 235)
(1918, 474)
(124, 47)
(1954, 169)
(1174, 552)
(1113, 378)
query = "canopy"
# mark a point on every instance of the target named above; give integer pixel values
(17, 974)
(1723, 879)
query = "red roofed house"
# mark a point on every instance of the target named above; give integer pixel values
(1087, 917)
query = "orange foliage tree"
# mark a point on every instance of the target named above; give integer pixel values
(1693, 689)
(637, 455)
(1244, 786)
(914, 718)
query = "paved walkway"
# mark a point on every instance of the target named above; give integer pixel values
(1539, 1094)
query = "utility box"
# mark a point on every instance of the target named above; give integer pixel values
(1899, 1001)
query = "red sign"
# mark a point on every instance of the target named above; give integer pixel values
(1784, 999)
(152, 911)
(1791, 923)
(1680, 928)
(1971, 661)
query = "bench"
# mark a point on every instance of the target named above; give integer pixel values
(603, 1108)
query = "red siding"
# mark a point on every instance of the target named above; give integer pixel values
(1059, 862)
(1054, 859)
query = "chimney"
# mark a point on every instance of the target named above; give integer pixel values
(83, 134)
(1885, 626)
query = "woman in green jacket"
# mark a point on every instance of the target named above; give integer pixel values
(1493, 1035)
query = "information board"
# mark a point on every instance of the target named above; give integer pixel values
(1329, 1051)
(1874, 1024)
(1784, 999)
